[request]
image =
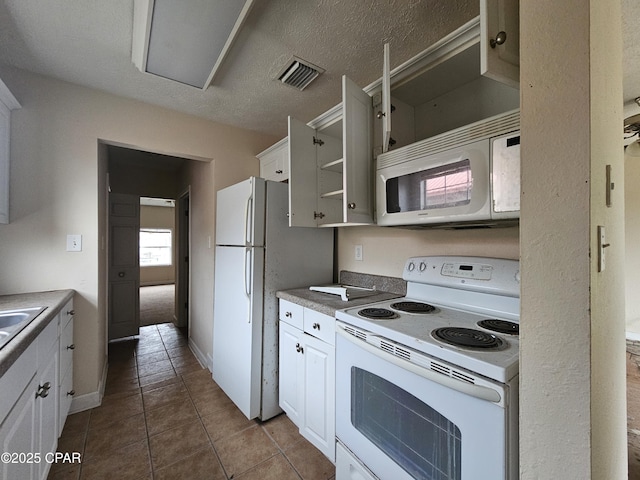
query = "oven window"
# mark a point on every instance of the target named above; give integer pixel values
(414, 435)
(440, 187)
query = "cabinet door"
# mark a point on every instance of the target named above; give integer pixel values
(386, 99)
(47, 411)
(290, 368)
(303, 187)
(18, 433)
(318, 425)
(500, 61)
(4, 163)
(356, 136)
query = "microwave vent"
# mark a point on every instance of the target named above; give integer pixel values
(299, 73)
(474, 132)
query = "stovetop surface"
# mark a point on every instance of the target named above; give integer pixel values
(414, 330)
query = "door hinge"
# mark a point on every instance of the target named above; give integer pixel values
(317, 141)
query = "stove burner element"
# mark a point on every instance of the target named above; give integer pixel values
(467, 338)
(413, 307)
(500, 326)
(377, 313)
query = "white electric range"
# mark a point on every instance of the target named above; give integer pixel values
(421, 376)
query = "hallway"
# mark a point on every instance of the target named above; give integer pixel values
(163, 417)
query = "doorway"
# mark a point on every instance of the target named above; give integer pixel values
(154, 178)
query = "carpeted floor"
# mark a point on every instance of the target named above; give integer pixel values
(157, 304)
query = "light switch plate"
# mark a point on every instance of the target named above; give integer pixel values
(74, 243)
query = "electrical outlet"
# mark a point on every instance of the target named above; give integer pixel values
(358, 252)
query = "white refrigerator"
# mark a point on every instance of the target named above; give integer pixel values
(257, 254)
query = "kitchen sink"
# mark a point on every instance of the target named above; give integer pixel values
(13, 321)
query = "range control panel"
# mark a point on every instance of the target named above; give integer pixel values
(470, 273)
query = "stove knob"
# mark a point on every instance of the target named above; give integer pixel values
(411, 267)
(423, 266)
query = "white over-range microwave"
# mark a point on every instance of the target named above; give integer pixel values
(465, 177)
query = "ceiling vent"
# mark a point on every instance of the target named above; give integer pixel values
(299, 74)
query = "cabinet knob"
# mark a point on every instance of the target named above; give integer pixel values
(318, 215)
(121, 274)
(352, 206)
(380, 114)
(316, 326)
(279, 172)
(71, 347)
(43, 390)
(71, 313)
(499, 40)
(299, 348)
(288, 314)
(71, 393)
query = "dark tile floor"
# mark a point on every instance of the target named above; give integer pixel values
(163, 417)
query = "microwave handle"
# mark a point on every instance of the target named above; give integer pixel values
(477, 391)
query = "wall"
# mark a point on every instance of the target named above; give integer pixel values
(572, 369)
(159, 217)
(58, 186)
(385, 250)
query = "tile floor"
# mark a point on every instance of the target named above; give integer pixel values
(163, 417)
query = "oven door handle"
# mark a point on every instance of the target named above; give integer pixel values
(477, 391)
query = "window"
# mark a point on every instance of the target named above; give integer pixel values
(155, 247)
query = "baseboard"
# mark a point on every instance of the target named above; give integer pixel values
(200, 356)
(90, 400)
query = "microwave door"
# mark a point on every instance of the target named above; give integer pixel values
(448, 187)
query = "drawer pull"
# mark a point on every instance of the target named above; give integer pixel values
(71, 313)
(279, 172)
(299, 348)
(71, 347)
(316, 326)
(71, 393)
(288, 314)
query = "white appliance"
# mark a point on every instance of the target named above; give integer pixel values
(470, 175)
(257, 254)
(427, 385)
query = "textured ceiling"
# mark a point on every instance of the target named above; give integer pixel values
(88, 42)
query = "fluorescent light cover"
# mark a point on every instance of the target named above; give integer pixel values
(186, 40)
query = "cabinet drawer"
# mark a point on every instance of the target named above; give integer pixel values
(291, 313)
(66, 348)
(66, 397)
(320, 326)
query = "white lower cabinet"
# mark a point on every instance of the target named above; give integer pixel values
(31, 410)
(307, 374)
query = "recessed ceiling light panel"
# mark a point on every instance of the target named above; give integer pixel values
(185, 40)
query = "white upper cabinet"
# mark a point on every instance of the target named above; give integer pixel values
(330, 165)
(7, 103)
(274, 162)
(500, 40)
(469, 75)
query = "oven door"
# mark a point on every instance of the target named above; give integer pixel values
(402, 422)
(450, 186)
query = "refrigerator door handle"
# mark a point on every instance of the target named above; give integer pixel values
(247, 220)
(247, 277)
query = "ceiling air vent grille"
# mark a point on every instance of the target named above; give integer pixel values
(299, 74)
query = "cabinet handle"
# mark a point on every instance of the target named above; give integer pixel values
(299, 349)
(352, 206)
(43, 390)
(318, 215)
(71, 393)
(279, 172)
(316, 326)
(288, 314)
(71, 347)
(71, 313)
(121, 274)
(499, 40)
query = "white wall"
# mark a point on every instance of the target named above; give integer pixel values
(572, 364)
(385, 250)
(58, 186)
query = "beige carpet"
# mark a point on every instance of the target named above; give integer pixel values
(157, 304)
